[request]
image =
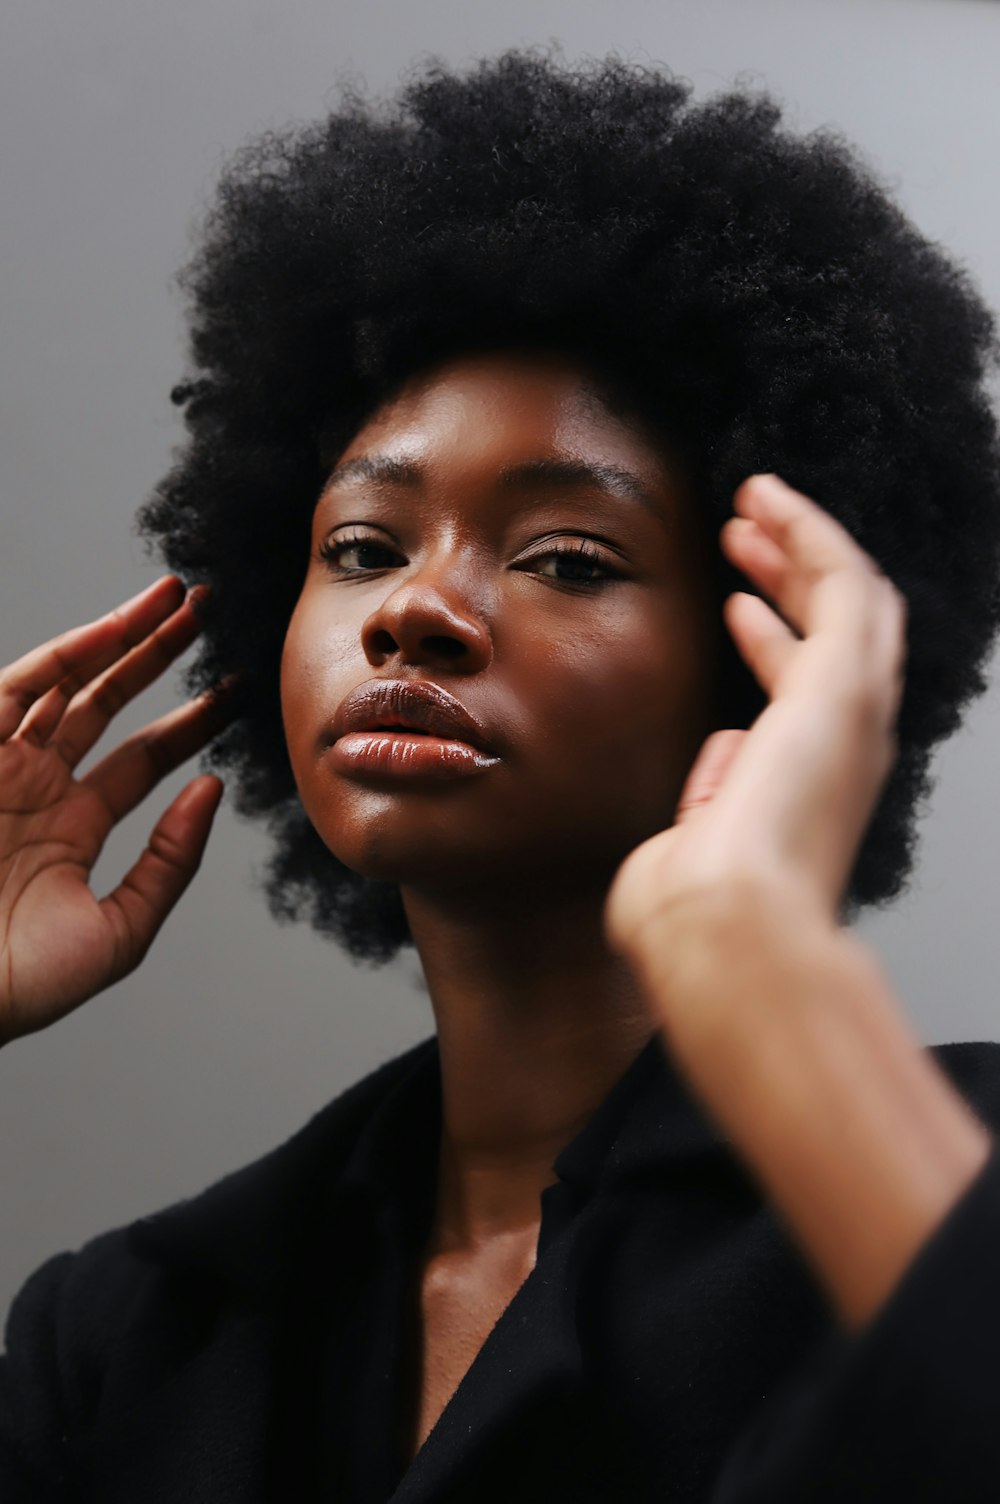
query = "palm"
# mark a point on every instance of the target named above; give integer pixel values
(786, 803)
(59, 943)
(52, 830)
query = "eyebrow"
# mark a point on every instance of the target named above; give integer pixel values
(551, 474)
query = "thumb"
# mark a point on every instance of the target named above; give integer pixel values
(717, 755)
(638, 886)
(152, 886)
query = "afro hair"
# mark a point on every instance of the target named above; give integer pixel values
(755, 296)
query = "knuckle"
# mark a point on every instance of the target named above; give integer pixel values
(169, 851)
(159, 647)
(130, 634)
(31, 735)
(69, 685)
(23, 698)
(108, 698)
(154, 749)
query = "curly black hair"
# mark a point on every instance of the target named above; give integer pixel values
(756, 297)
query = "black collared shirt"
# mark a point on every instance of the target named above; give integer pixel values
(670, 1342)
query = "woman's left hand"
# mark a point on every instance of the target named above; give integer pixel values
(780, 1018)
(781, 809)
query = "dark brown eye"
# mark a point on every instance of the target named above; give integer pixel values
(576, 564)
(356, 554)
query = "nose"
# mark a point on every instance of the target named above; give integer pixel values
(428, 620)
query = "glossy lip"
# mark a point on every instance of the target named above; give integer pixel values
(401, 753)
(414, 704)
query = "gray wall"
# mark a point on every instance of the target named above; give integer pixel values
(115, 116)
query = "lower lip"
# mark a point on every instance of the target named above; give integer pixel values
(401, 754)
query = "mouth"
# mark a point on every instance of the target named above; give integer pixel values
(415, 706)
(408, 728)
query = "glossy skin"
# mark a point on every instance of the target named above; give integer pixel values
(596, 697)
(596, 694)
(544, 986)
(595, 683)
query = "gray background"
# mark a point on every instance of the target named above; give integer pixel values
(115, 116)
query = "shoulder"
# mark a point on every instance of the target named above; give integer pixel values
(147, 1291)
(261, 1205)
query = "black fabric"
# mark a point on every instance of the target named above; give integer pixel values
(670, 1343)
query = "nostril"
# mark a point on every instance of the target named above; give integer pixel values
(383, 642)
(445, 647)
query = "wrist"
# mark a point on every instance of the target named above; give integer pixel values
(711, 963)
(792, 1038)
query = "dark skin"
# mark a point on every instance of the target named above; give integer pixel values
(499, 532)
(594, 678)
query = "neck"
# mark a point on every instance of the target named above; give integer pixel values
(536, 1020)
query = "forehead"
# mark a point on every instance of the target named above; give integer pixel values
(489, 409)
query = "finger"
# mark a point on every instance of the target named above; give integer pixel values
(149, 890)
(709, 770)
(90, 712)
(126, 775)
(810, 535)
(820, 552)
(758, 556)
(765, 642)
(65, 703)
(64, 664)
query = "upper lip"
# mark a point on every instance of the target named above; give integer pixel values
(413, 703)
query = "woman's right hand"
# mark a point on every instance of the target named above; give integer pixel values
(59, 944)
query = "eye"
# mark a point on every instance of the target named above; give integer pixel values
(356, 553)
(578, 563)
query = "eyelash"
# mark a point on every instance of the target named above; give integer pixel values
(584, 551)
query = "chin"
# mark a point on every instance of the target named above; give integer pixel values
(382, 846)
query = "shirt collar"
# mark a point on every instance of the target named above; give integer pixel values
(647, 1122)
(376, 1145)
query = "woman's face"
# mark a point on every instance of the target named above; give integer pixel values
(496, 533)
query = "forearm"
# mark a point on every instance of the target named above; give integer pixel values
(793, 1039)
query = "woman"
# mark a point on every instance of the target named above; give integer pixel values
(531, 661)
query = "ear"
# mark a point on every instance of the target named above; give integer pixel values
(717, 755)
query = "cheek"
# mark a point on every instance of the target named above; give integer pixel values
(316, 663)
(633, 693)
(622, 711)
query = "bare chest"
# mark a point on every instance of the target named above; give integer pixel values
(457, 1302)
